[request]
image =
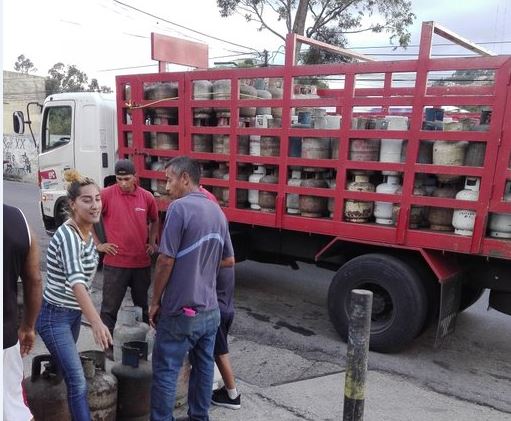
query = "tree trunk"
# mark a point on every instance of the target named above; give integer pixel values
(299, 23)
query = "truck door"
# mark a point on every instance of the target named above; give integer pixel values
(57, 154)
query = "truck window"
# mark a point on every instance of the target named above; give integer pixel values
(56, 127)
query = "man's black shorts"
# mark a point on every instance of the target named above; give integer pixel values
(221, 346)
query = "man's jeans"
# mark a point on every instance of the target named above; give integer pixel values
(59, 328)
(175, 336)
(115, 282)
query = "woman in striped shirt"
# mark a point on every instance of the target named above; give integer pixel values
(72, 261)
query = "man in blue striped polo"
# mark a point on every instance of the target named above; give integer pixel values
(195, 243)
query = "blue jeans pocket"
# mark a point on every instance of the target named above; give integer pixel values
(177, 327)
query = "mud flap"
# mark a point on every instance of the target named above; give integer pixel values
(450, 298)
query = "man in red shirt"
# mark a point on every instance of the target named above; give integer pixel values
(130, 218)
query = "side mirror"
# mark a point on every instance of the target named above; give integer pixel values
(18, 122)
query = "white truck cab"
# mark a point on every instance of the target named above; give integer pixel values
(79, 131)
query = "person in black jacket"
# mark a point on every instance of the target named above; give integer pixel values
(21, 260)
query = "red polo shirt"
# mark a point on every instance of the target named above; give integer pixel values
(125, 218)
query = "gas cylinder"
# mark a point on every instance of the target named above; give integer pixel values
(356, 210)
(292, 199)
(202, 90)
(316, 148)
(247, 92)
(161, 90)
(270, 146)
(425, 154)
(219, 174)
(383, 210)
(416, 211)
(253, 195)
(440, 219)
(134, 377)
(241, 195)
(474, 155)
(331, 201)
(261, 122)
(202, 143)
(167, 141)
(313, 206)
(319, 118)
(157, 185)
(463, 219)
(364, 149)
(267, 198)
(449, 153)
(222, 90)
(243, 145)
(500, 223)
(101, 386)
(263, 94)
(390, 149)
(46, 392)
(276, 93)
(221, 144)
(129, 327)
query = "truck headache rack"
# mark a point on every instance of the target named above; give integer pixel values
(365, 151)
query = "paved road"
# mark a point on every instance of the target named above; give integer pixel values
(282, 335)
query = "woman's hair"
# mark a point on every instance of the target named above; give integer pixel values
(76, 182)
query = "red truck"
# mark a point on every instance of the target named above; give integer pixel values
(395, 175)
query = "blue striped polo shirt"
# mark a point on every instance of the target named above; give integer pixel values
(196, 235)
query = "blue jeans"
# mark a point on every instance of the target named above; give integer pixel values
(175, 336)
(59, 328)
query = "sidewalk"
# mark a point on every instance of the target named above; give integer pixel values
(320, 397)
(388, 397)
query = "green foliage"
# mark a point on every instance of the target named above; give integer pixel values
(326, 20)
(69, 78)
(24, 65)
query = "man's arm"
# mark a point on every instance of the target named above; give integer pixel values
(227, 262)
(162, 271)
(32, 295)
(153, 234)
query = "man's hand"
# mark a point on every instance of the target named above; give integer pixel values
(154, 312)
(108, 248)
(26, 337)
(150, 249)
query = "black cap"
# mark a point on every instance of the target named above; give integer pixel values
(124, 167)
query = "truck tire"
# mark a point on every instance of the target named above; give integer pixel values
(400, 302)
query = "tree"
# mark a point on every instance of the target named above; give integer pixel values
(326, 20)
(69, 78)
(24, 65)
(94, 87)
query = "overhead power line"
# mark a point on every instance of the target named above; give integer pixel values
(182, 26)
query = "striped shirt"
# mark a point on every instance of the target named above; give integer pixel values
(70, 261)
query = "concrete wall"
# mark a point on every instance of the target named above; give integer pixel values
(19, 151)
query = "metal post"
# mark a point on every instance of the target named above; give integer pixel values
(358, 348)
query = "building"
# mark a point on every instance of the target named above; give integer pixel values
(19, 151)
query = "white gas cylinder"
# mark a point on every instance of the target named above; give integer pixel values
(253, 195)
(383, 211)
(463, 219)
(500, 223)
(129, 327)
(390, 149)
(293, 200)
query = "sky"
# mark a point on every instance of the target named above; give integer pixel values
(108, 37)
